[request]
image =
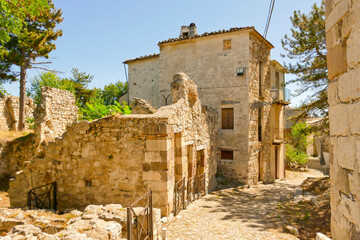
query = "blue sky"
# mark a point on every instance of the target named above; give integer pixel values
(99, 35)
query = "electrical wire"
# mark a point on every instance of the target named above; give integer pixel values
(271, 9)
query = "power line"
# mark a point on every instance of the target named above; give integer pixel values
(271, 8)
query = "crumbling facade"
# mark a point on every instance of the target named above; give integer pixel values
(9, 112)
(117, 159)
(232, 69)
(342, 41)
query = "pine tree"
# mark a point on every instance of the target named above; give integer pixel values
(35, 40)
(307, 46)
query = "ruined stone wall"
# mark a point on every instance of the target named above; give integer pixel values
(55, 112)
(143, 80)
(342, 40)
(9, 112)
(259, 51)
(119, 158)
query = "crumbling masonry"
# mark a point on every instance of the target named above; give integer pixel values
(117, 159)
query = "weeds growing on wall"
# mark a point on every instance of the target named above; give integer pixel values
(97, 109)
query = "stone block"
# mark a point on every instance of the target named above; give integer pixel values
(337, 62)
(151, 175)
(353, 46)
(353, 118)
(337, 13)
(337, 114)
(354, 184)
(349, 85)
(158, 145)
(349, 209)
(153, 157)
(333, 93)
(345, 152)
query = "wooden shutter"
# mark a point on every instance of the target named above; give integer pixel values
(227, 118)
(228, 155)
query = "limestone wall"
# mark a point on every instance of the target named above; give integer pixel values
(342, 40)
(9, 112)
(259, 52)
(55, 112)
(119, 158)
(143, 80)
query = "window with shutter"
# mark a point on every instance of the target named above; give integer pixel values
(227, 155)
(227, 118)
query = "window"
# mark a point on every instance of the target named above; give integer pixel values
(277, 83)
(260, 78)
(226, 44)
(227, 118)
(227, 155)
(259, 126)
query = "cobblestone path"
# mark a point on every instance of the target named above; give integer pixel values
(236, 213)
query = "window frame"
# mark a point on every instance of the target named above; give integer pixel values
(228, 124)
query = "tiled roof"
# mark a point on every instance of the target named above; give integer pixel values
(142, 58)
(212, 33)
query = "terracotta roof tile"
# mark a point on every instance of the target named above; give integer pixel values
(208, 34)
(142, 58)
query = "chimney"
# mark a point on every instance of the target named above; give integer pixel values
(188, 31)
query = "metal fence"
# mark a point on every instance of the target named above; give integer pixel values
(140, 224)
(43, 197)
(179, 196)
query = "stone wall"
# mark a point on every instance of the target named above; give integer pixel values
(342, 40)
(117, 159)
(9, 112)
(55, 112)
(259, 51)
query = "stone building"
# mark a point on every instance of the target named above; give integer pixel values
(234, 75)
(343, 46)
(117, 159)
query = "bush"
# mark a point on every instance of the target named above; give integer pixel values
(295, 157)
(97, 109)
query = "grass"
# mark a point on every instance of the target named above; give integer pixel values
(8, 136)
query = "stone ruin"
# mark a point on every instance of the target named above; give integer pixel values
(9, 112)
(117, 159)
(56, 111)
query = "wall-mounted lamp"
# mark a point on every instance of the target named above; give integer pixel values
(240, 71)
(274, 93)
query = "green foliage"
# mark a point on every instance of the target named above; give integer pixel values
(13, 15)
(297, 143)
(97, 109)
(112, 92)
(48, 79)
(306, 46)
(81, 82)
(2, 91)
(295, 156)
(30, 122)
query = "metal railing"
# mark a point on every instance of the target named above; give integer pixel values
(179, 196)
(143, 220)
(43, 197)
(200, 186)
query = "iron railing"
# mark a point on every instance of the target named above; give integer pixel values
(43, 197)
(200, 186)
(143, 220)
(179, 196)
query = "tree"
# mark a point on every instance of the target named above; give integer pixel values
(307, 46)
(81, 82)
(48, 79)
(112, 92)
(297, 143)
(35, 40)
(14, 12)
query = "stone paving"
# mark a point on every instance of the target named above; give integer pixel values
(237, 213)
